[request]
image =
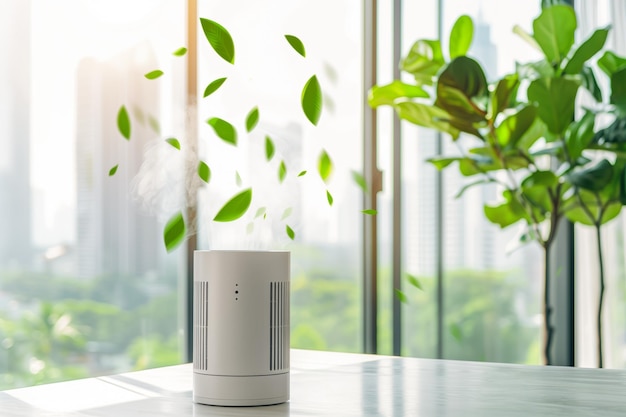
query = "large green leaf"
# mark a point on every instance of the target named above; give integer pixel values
(586, 51)
(513, 128)
(388, 94)
(461, 36)
(324, 166)
(461, 86)
(174, 232)
(504, 95)
(507, 213)
(611, 63)
(423, 61)
(427, 116)
(554, 32)
(555, 99)
(296, 44)
(252, 119)
(213, 86)
(618, 89)
(537, 188)
(219, 38)
(123, 122)
(594, 178)
(224, 130)
(595, 208)
(579, 135)
(311, 100)
(235, 207)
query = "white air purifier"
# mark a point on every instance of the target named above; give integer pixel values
(241, 327)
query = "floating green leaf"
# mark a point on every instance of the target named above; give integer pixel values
(235, 207)
(360, 181)
(224, 130)
(204, 172)
(174, 232)
(213, 86)
(330, 198)
(282, 171)
(152, 75)
(252, 119)
(290, 232)
(174, 142)
(414, 282)
(220, 39)
(370, 212)
(269, 148)
(456, 332)
(260, 212)
(286, 213)
(401, 296)
(113, 170)
(461, 36)
(154, 124)
(302, 173)
(296, 44)
(180, 51)
(324, 166)
(123, 122)
(312, 100)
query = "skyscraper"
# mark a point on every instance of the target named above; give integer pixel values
(113, 235)
(15, 82)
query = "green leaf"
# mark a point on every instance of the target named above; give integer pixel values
(360, 181)
(555, 99)
(611, 63)
(213, 86)
(123, 122)
(152, 75)
(594, 178)
(113, 170)
(401, 296)
(455, 332)
(461, 87)
(554, 32)
(601, 210)
(533, 70)
(461, 36)
(286, 213)
(370, 212)
(589, 82)
(174, 142)
(238, 180)
(618, 89)
(174, 232)
(586, 51)
(507, 213)
(282, 171)
(296, 44)
(423, 61)
(504, 94)
(388, 94)
(154, 124)
(252, 119)
(512, 129)
(260, 211)
(224, 130)
(329, 197)
(324, 166)
(235, 207)
(219, 38)
(427, 116)
(311, 100)
(302, 173)
(414, 282)
(180, 51)
(204, 172)
(290, 232)
(579, 135)
(443, 162)
(269, 148)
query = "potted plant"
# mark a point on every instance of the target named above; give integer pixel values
(524, 131)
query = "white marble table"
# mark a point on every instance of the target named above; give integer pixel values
(342, 385)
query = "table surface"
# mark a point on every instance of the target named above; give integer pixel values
(344, 384)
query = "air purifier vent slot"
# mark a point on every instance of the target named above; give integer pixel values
(201, 299)
(279, 326)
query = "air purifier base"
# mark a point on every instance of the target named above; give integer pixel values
(240, 391)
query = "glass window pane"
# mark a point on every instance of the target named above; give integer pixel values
(86, 287)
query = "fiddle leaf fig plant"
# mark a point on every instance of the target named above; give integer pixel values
(222, 43)
(525, 132)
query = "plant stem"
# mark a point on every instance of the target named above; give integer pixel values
(601, 298)
(548, 330)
